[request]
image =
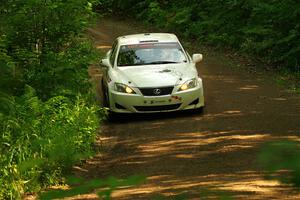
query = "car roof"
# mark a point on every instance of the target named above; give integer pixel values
(147, 37)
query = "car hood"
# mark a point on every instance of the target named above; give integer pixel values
(158, 75)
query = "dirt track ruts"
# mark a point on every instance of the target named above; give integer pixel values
(186, 152)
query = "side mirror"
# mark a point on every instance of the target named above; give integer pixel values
(105, 63)
(197, 57)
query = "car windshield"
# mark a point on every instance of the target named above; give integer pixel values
(150, 53)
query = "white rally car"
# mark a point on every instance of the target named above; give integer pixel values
(151, 72)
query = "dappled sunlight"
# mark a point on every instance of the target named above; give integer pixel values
(159, 177)
(233, 112)
(105, 140)
(230, 148)
(278, 99)
(166, 187)
(142, 190)
(193, 141)
(222, 78)
(91, 196)
(103, 46)
(210, 133)
(258, 186)
(80, 169)
(223, 114)
(185, 156)
(292, 138)
(249, 87)
(240, 183)
(154, 125)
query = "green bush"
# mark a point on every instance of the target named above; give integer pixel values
(269, 29)
(48, 116)
(40, 140)
(281, 161)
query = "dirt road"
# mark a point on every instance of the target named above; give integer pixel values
(186, 152)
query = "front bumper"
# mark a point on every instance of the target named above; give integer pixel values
(137, 103)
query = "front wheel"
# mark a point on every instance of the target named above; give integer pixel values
(105, 96)
(111, 116)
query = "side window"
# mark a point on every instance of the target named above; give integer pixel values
(113, 53)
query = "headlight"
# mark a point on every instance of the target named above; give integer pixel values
(124, 88)
(188, 85)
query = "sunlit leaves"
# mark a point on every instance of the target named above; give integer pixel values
(43, 139)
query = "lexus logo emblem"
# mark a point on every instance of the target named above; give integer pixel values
(156, 91)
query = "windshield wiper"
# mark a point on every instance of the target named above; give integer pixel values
(161, 62)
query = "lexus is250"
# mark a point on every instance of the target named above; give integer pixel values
(151, 72)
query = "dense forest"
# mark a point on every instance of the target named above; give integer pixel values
(48, 115)
(266, 29)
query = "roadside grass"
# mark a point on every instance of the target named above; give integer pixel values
(289, 80)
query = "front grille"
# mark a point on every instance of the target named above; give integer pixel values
(157, 108)
(159, 91)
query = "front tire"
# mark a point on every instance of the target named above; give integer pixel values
(199, 110)
(105, 96)
(110, 115)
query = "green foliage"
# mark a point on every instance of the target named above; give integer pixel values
(269, 29)
(40, 140)
(279, 156)
(155, 14)
(106, 187)
(48, 118)
(9, 75)
(62, 74)
(42, 38)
